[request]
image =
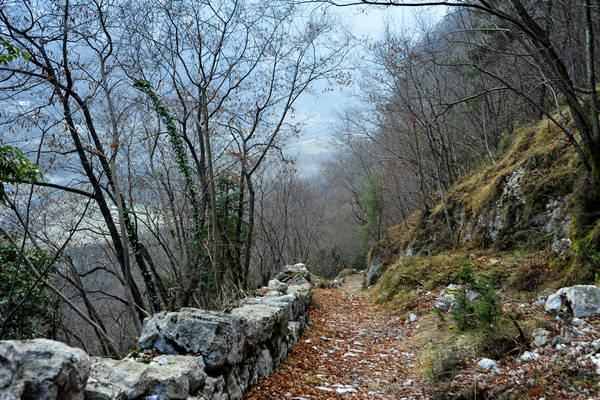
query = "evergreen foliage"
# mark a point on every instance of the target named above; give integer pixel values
(481, 313)
(374, 204)
(18, 285)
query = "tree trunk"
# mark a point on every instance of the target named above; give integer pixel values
(250, 229)
(591, 78)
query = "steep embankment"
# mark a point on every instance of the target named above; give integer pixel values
(529, 202)
(525, 227)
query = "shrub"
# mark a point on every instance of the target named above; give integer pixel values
(481, 313)
(38, 306)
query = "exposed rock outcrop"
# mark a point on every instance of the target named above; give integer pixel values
(374, 272)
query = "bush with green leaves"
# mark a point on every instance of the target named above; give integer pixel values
(9, 52)
(483, 312)
(15, 168)
(18, 287)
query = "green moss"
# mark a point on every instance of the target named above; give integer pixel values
(346, 272)
(325, 284)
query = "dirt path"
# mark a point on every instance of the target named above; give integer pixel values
(351, 351)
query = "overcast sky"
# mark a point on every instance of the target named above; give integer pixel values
(318, 110)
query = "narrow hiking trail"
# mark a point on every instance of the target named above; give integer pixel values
(352, 350)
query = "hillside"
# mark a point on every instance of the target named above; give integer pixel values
(525, 227)
(532, 204)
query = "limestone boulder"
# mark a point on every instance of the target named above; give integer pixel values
(299, 268)
(260, 322)
(12, 383)
(265, 363)
(278, 285)
(487, 364)
(214, 389)
(234, 384)
(249, 371)
(447, 300)
(374, 272)
(553, 303)
(165, 377)
(294, 330)
(582, 300)
(296, 274)
(295, 302)
(42, 369)
(218, 337)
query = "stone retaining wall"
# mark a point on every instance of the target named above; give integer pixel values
(189, 354)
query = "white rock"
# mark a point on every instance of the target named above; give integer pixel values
(584, 300)
(264, 363)
(446, 302)
(42, 369)
(529, 356)
(345, 389)
(472, 296)
(325, 389)
(293, 273)
(553, 303)
(278, 285)
(374, 272)
(487, 364)
(588, 331)
(222, 335)
(166, 376)
(540, 337)
(577, 331)
(539, 303)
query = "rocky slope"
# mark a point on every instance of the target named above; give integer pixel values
(525, 199)
(509, 312)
